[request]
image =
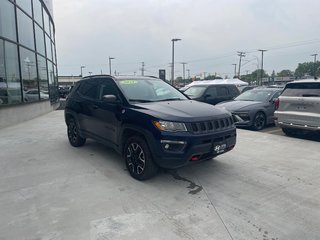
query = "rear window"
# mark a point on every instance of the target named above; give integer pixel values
(302, 90)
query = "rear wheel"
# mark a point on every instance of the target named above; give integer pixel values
(259, 121)
(138, 159)
(73, 134)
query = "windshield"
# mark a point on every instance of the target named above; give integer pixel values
(195, 91)
(147, 90)
(260, 95)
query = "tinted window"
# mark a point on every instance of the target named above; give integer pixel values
(302, 90)
(212, 91)
(234, 91)
(29, 72)
(222, 91)
(48, 46)
(43, 78)
(7, 20)
(25, 5)
(106, 87)
(40, 40)
(46, 22)
(37, 10)
(25, 30)
(89, 89)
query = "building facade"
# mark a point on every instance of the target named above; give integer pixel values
(28, 63)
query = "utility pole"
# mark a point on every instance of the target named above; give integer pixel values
(314, 65)
(235, 69)
(184, 72)
(262, 51)
(240, 54)
(142, 69)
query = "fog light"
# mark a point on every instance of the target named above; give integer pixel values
(173, 146)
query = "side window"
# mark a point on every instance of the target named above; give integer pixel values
(222, 91)
(276, 95)
(212, 91)
(107, 87)
(234, 91)
(89, 89)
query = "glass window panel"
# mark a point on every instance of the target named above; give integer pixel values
(7, 21)
(40, 40)
(43, 78)
(29, 75)
(46, 22)
(53, 89)
(10, 87)
(52, 31)
(54, 54)
(25, 5)
(25, 30)
(49, 50)
(37, 11)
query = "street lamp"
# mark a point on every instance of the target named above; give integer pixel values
(184, 72)
(110, 58)
(314, 65)
(235, 69)
(81, 69)
(172, 66)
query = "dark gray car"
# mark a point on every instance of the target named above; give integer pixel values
(253, 108)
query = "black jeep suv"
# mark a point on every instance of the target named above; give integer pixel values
(148, 121)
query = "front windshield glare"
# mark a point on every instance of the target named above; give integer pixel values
(255, 95)
(145, 90)
(195, 92)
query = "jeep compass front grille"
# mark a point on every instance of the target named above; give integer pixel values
(210, 126)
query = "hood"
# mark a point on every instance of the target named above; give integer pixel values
(234, 106)
(184, 111)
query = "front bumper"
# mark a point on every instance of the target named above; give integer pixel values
(197, 148)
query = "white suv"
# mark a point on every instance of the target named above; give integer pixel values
(299, 107)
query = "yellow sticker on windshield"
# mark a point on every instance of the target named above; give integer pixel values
(128, 81)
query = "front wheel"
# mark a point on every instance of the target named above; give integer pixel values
(73, 134)
(259, 121)
(138, 159)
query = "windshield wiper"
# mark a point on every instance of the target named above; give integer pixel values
(140, 100)
(169, 99)
(310, 95)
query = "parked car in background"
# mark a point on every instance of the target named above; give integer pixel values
(64, 91)
(212, 93)
(33, 95)
(246, 88)
(148, 121)
(253, 108)
(299, 107)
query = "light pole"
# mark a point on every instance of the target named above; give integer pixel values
(188, 70)
(314, 65)
(110, 58)
(81, 69)
(184, 72)
(235, 69)
(90, 73)
(172, 66)
(262, 51)
(240, 54)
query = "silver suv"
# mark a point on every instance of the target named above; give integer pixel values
(299, 107)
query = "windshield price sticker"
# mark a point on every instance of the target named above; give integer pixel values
(128, 82)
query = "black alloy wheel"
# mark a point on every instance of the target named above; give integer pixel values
(138, 159)
(73, 134)
(259, 121)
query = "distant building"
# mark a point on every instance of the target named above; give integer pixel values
(28, 64)
(68, 80)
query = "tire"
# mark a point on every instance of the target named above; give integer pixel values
(289, 132)
(259, 121)
(138, 159)
(73, 134)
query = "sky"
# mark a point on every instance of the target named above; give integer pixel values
(88, 32)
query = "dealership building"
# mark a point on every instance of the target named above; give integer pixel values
(28, 63)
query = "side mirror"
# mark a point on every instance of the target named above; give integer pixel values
(110, 98)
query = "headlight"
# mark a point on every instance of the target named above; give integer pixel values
(170, 126)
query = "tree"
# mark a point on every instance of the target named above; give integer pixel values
(307, 68)
(285, 73)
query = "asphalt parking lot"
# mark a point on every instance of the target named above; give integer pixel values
(267, 188)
